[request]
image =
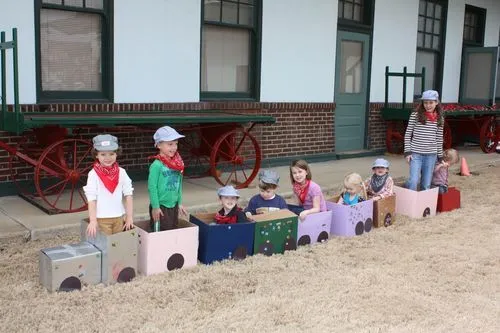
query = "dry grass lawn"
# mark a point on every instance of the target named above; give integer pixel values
(435, 275)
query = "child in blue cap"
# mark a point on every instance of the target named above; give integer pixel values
(267, 200)
(380, 185)
(165, 180)
(230, 213)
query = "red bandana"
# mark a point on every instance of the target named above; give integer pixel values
(431, 116)
(301, 190)
(174, 163)
(230, 218)
(108, 175)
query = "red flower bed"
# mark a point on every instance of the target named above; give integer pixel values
(468, 107)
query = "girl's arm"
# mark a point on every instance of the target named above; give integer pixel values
(439, 142)
(316, 208)
(409, 134)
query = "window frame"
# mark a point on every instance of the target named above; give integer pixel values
(481, 26)
(366, 26)
(106, 93)
(439, 62)
(494, 51)
(254, 72)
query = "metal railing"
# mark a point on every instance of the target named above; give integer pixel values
(4, 46)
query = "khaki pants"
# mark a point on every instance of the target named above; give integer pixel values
(110, 225)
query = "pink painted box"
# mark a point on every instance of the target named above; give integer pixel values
(351, 220)
(315, 228)
(416, 204)
(167, 250)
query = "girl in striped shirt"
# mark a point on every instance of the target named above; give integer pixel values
(424, 140)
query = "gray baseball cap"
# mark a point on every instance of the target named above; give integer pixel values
(269, 177)
(105, 142)
(166, 133)
(228, 191)
(380, 163)
(430, 95)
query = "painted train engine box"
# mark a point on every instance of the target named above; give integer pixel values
(351, 220)
(416, 204)
(119, 253)
(167, 250)
(275, 232)
(448, 201)
(384, 212)
(223, 241)
(68, 267)
(315, 228)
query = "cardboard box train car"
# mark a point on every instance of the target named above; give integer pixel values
(166, 250)
(350, 220)
(314, 229)
(416, 204)
(275, 232)
(69, 267)
(384, 212)
(448, 201)
(119, 253)
(223, 241)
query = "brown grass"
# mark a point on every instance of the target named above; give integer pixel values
(435, 275)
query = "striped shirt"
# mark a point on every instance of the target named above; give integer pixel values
(423, 138)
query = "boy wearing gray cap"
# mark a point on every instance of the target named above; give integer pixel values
(230, 212)
(107, 184)
(165, 180)
(380, 185)
(267, 200)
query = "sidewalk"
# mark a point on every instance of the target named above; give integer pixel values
(20, 219)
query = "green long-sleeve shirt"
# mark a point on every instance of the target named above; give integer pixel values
(164, 186)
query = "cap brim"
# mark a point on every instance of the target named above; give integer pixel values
(269, 181)
(112, 147)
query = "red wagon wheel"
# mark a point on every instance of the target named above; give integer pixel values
(447, 137)
(61, 173)
(235, 158)
(191, 149)
(394, 138)
(488, 139)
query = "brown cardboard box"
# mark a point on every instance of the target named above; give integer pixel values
(384, 212)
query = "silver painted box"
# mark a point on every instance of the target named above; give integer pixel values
(68, 267)
(119, 253)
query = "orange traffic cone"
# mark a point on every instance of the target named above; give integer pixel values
(464, 168)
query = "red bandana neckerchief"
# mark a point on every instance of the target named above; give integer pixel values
(301, 190)
(431, 116)
(108, 175)
(230, 218)
(174, 163)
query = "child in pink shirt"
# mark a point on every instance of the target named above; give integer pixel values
(307, 192)
(440, 175)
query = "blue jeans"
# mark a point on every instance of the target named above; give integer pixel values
(421, 166)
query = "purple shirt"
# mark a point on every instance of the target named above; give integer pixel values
(314, 190)
(440, 175)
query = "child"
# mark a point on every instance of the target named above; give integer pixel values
(380, 185)
(165, 180)
(354, 190)
(267, 200)
(107, 184)
(230, 213)
(440, 176)
(424, 140)
(307, 192)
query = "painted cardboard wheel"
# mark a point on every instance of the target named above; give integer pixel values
(70, 284)
(323, 237)
(304, 240)
(368, 224)
(290, 244)
(266, 249)
(388, 219)
(126, 275)
(359, 228)
(240, 253)
(176, 261)
(427, 212)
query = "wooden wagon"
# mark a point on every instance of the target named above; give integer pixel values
(56, 152)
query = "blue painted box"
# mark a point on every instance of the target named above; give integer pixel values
(222, 241)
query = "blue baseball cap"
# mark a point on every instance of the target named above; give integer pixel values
(430, 95)
(380, 163)
(228, 191)
(166, 133)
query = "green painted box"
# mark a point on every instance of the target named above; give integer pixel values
(275, 232)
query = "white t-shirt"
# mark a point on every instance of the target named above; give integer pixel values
(108, 204)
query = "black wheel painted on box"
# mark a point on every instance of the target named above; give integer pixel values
(304, 240)
(427, 212)
(266, 249)
(176, 261)
(126, 275)
(290, 244)
(360, 228)
(70, 284)
(240, 253)
(323, 237)
(388, 219)
(368, 224)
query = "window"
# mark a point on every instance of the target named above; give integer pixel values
(355, 13)
(74, 50)
(230, 47)
(474, 23)
(430, 43)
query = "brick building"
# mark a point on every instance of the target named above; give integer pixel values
(317, 66)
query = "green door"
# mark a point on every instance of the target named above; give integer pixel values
(351, 90)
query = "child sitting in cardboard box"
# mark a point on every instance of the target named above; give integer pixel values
(354, 190)
(267, 200)
(230, 213)
(380, 185)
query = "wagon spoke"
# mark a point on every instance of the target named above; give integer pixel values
(71, 196)
(60, 193)
(82, 195)
(55, 164)
(49, 189)
(83, 157)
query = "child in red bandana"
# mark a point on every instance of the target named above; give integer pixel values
(307, 192)
(107, 184)
(165, 180)
(230, 212)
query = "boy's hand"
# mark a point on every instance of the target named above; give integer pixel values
(156, 213)
(183, 211)
(249, 216)
(129, 223)
(92, 229)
